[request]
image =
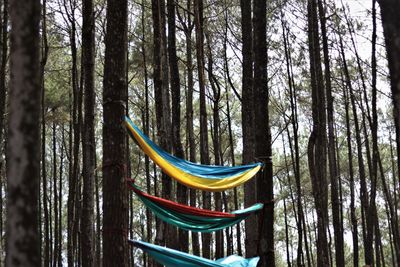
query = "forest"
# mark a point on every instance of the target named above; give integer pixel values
(289, 109)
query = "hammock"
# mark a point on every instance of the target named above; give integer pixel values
(203, 177)
(190, 218)
(172, 258)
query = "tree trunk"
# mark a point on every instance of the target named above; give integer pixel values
(56, 240)
(390, 22)
(391, 31)
(339, 242)
(161, 93)
(263, 150)
(369, 259)
(76, 116)
(115, 197)
(44, 50)
(353, 218)
(23, 169)
(204, 152)
(88, 148)
(248, 124)
(60, 183)
(3, 89)
(188, 28)
(183, 236)
(317, 140)
(146, 126)
(296, 158)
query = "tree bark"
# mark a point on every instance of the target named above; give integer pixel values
(89, 153)
(248, 124)
(3, 89)
(181, 191)
(263, 149)
(204, 151)
(390, 22)
(317, 139)
(43, 61)
(56, 240)
(188, 28)
(23, 169)
(115, 197)
(163, 119)
(338, 234)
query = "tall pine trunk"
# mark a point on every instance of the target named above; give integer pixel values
(89, 155)
(204, 151)
(263, 149)
(181, 193)
(248, 124)
(391, 31)
(338, 234)
(162, 105)
(317, 140)
(188, 28)
(23, 169)
(115, 195)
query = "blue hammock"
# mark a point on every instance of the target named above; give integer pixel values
(203, 177)
(173, 258)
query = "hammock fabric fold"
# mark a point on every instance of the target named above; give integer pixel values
(191, 218)
(172, 258)
(203, 177)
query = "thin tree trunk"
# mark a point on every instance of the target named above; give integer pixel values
(204, 152)
(146, 125)
(163, 119)
(3, 89)
(88, 148)
(219, 247)
(353, 217)
(73, 181)
(44, 50)
(317, 140)
(233, 162)
(55, 193)
(181, 193)
(374, 172)
(24, 136)
(115, 195)
(189, 114)
(339, 241)
(60, 204)
(296, 161)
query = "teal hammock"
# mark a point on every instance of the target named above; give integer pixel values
(191, 218)
(173, 258)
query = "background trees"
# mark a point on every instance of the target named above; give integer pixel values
(222, 82)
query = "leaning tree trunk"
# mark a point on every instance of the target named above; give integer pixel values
(317, 140)
(115, 197)
(23, 170)
(263, 149)
(89, 152)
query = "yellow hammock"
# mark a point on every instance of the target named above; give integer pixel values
(203, 177)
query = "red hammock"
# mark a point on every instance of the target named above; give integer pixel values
(180, 208)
